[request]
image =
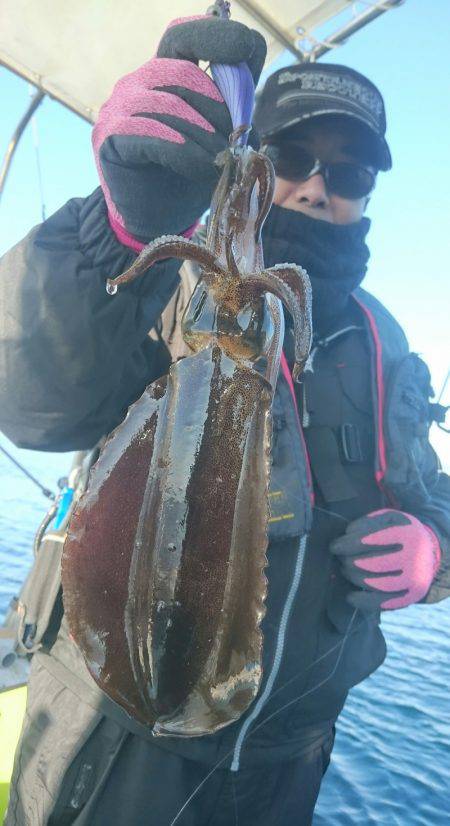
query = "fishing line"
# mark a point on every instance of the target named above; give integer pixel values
(331, 513)
(200, 786)
(340, 645)
(318, 685)
(310, 690)
(318, 660)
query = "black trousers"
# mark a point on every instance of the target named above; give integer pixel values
(151, 786)
(76, 767)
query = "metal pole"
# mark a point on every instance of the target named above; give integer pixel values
(271, 26)
(12, 146)
(351, 28)
(302, 55)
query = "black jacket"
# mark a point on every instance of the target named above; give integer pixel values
(72, 360)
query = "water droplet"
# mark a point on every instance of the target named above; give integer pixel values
(111, 289)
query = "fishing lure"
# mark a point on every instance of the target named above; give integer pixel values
(163, 566)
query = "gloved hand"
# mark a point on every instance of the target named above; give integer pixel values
(388, 552)
(157, 136)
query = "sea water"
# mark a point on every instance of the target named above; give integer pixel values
(391, 761)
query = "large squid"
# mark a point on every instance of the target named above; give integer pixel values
(163, 567)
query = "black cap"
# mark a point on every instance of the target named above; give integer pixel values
(309, 90)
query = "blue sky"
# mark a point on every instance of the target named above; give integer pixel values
(405, 52)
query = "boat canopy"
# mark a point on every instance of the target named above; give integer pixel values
(75, 52)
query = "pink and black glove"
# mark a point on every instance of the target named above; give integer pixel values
(388, 552)
(157, 136)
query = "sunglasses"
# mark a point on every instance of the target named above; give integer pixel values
(344, 178)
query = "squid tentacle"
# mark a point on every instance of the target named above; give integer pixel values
(167, 246)
(230, 259)
(259, 169)
(266, 180)
(292, 286)
(276, 345)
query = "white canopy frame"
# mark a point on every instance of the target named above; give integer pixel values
(75, 52)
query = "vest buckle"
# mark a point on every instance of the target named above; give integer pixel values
(351, 443)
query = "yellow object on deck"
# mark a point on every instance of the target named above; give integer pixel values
(12, 709)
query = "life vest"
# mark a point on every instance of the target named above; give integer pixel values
(363, 408)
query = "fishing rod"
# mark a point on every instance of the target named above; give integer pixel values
(444, 385)
(12, 146)
(48, 493)
(440, 410)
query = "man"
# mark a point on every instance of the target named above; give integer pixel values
(76, 359)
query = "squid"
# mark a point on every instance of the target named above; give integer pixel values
(163, 566)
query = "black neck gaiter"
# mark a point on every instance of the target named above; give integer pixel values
(334, 256)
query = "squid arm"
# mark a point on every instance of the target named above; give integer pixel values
(168, 246)
(292, 286)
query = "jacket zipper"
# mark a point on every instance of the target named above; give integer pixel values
(278, 654)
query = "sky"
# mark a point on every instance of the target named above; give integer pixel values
(405, 53)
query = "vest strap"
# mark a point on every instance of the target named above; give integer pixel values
(326, 462)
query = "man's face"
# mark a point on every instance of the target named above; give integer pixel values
(330, 140)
